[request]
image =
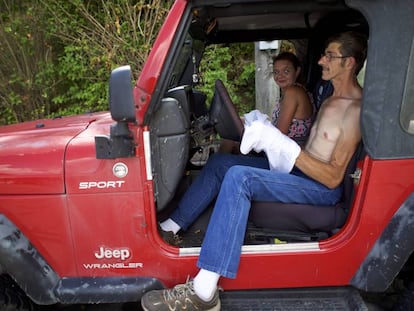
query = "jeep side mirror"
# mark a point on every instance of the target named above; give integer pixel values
(120, 143)
(121, 101)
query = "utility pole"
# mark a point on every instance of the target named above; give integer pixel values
(267, 92)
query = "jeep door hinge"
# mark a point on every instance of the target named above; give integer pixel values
(356, 176)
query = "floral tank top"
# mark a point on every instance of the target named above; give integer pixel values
(299, 129)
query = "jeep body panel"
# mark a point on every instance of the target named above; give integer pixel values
(32, 154)
(92, 222)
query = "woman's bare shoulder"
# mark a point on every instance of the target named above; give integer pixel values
(297, 88)
(298, 92)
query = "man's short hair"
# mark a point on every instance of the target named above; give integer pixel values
(352, 44)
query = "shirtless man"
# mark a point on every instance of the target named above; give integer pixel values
(336, 132)
(238, 180)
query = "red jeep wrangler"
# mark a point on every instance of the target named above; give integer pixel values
(80, 196)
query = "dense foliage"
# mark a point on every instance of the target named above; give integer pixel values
(234, 65)
(56, 56)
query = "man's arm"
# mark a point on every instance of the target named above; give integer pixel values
(329, 174)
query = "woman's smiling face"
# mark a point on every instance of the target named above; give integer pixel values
(284, 73)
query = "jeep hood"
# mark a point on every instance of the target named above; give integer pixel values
(32, 154)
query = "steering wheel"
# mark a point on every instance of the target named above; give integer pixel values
(223, 114)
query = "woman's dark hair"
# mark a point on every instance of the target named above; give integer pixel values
(289, 57)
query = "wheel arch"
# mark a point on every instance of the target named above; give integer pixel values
(389, 253)
(20, 259)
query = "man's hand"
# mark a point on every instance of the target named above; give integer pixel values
(281, 151)
(251, 138)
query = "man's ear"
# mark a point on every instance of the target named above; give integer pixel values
(350, 62)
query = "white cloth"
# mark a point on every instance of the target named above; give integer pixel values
(260, 135)
(255, 115)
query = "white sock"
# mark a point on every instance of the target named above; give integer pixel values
(205, 284)
(170, 225)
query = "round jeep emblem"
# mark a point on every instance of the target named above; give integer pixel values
(120, 170)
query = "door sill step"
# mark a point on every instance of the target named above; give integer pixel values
(326, 298)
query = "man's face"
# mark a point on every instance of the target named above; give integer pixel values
(332, 62)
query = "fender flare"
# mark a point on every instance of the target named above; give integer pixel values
(389, 253)
(20, 259)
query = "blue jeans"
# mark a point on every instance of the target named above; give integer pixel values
(237, 180)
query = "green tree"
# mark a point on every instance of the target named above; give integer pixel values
(56, 55)
(97, 37)
(26, 59)
(234, 65)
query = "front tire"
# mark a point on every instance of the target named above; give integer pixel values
(406, 300)
(12, 298)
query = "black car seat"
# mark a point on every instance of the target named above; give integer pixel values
(183, 94)
(170, 143)
(298, 222)
(322, 90)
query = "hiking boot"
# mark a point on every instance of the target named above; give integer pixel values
(181, 297)
(169, 237)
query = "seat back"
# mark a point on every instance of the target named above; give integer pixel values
(170, 143)
(199, 99)
(348, 183)
(323, 89)
(183, 94)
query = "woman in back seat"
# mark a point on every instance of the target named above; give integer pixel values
(293, 113)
